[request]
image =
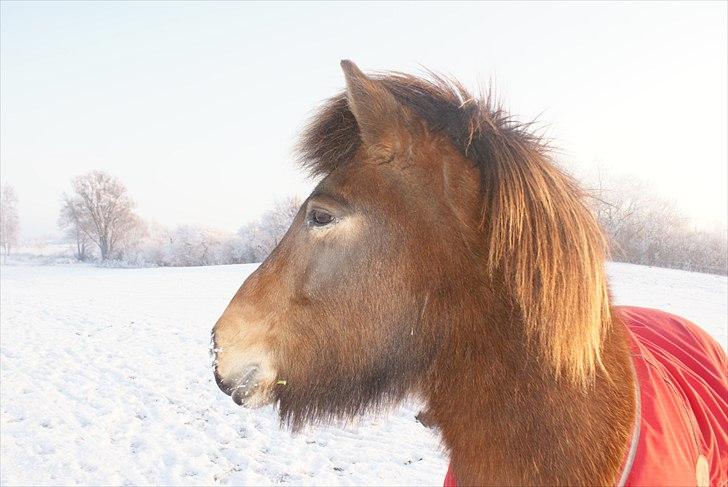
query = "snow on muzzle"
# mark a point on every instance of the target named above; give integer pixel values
(246, 377)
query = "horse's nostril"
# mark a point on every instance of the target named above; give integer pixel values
(245, 384)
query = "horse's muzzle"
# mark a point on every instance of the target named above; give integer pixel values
(244, 387)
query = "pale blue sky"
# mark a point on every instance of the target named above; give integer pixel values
(195, 106)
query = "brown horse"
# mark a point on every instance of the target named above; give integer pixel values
(444, 255)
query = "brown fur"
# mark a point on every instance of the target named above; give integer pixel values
(536, 226)
(462, 265)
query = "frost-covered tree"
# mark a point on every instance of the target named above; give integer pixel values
(644, 228)
(192, 246)
(9, 222)
(105, 211)
(75, 224)
(259, 238)
(277, 220)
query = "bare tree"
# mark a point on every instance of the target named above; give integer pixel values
(76, 226)
(104, 209)
(9, 224)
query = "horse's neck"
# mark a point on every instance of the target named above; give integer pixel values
(506, 422)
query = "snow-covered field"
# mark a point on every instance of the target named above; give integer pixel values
(105, 379)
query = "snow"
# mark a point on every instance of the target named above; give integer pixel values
(701, 298)
(105, 379)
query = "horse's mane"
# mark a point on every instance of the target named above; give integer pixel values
(538, 231)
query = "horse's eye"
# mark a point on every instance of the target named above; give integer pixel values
(320, 218)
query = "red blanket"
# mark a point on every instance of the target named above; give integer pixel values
(681, 436)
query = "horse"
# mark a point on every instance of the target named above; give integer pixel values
(445, 255)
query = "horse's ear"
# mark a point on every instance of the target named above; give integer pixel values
(375, 109)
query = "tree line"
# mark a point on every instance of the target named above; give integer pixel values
(98, 219)
(645, 228)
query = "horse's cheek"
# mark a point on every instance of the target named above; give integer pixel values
(331, 268)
